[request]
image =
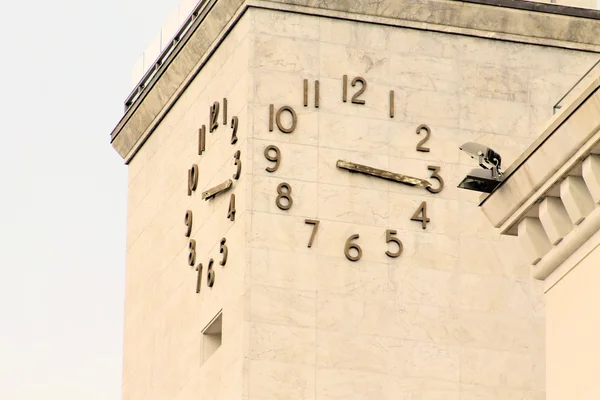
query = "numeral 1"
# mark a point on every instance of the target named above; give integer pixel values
(199, 277)
(202, 140)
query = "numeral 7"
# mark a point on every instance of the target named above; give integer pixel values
(314, 222)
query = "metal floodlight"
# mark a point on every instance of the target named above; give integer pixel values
(489, 176)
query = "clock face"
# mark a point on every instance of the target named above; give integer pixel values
(357, 187)
(212, 186)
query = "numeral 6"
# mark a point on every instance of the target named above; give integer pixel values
(348, 246)
(210, 274)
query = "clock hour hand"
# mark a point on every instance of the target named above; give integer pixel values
(380, 173)
(210, 193)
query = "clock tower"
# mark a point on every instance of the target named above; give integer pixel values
(294, 228)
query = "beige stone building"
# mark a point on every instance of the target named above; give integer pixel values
(267, 258)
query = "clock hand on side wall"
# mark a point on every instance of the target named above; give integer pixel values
(380, 173)
(210, 193)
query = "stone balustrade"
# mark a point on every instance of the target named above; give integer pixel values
(550, 197)
(565, 222)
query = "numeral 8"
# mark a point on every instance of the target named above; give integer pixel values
(287, 195)
(192, 253)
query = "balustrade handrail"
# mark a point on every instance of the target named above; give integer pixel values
(558, 106)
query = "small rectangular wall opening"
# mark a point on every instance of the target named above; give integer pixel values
(212, 337)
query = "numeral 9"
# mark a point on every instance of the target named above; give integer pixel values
(276, 159)
(214, 116)
(188, 223)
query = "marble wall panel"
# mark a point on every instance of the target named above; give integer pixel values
(420, 325)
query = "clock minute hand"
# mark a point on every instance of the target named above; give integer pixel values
(380, 173)
(210, 193)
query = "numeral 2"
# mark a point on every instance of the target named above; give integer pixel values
(234, 126)
(425, 139)
(214, 117)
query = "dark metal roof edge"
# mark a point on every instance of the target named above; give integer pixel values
(556, 9)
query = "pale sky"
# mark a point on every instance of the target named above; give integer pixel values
(65, 68)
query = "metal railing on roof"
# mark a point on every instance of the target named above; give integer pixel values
(164, 54)
(588, 74)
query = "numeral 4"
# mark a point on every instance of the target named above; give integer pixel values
(421, 215)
